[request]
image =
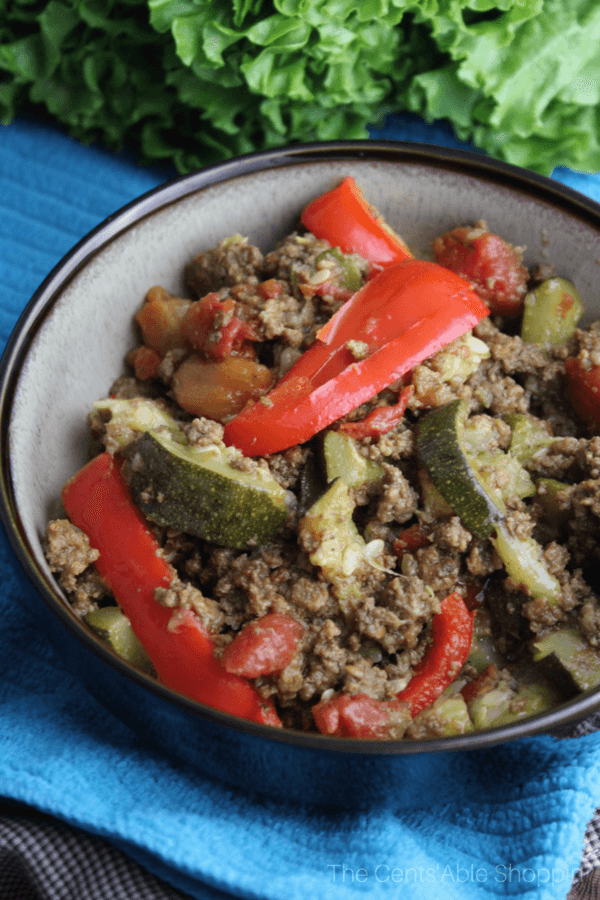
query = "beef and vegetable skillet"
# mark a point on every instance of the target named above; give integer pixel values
(348, 491)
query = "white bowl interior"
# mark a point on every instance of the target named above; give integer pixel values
(80, 347)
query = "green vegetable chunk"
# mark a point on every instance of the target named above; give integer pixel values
(505, 704)
(551, 312)
(529, 436)
(342, 460)
(113, 627)
(523, 560)
(334, 544)
(441, 449)
(568, 660)
(199, 491)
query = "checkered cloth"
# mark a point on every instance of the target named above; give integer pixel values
(45, 860)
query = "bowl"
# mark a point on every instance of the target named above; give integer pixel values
(70, 343)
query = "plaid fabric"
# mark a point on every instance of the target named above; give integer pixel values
(43, 860)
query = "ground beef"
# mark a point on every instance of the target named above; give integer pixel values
(70, 557)
(398, 501)
(182, 595)
(230, 262)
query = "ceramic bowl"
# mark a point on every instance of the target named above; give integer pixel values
(70, 344)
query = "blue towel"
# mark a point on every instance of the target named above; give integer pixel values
(508, 821)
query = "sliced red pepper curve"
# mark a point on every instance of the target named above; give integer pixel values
(380, 421)
(98, 502)
(401, 317)
(343, 217)
(451, 637)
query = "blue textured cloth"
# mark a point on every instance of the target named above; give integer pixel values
(503, 822)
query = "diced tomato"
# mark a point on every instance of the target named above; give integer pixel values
(358, 716)
(264, 646)
(410, 539)
(145, 361)
(488, 263)
(210, 327)
(583, 388)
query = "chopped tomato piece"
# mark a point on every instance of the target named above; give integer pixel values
(412, 538)
(488, 263)
(211, 327)
(264, 646)
(358, 716)
(583, 388)
(145, 361)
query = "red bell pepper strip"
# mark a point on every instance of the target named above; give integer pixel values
(380, 421)
(358, 716)
(264, 646)
(403, 316)
(343, 217)
(98, 502)
(583, 388)
(451, 637)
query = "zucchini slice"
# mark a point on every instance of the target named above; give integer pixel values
(198, 491)
(441, 449)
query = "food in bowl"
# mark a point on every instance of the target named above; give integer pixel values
(348, 491)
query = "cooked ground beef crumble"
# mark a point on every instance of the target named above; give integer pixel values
(370, 644)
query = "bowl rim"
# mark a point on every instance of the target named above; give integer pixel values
(40, 306)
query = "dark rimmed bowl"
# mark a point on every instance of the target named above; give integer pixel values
(69, 345)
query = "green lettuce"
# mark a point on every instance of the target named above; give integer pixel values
(195, 81)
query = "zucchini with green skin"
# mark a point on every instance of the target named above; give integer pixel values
(198, 491)
(342, 460)
(114, 628)
(441, 449)
(445, 448)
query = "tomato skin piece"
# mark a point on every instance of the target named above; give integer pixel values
(264, 646)
(451, 638)
(209, 326)
(98, 502)
(357, 716)
(410, 539)
(488, 263)
(343, 217)
(583, 388)
(145, 361)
